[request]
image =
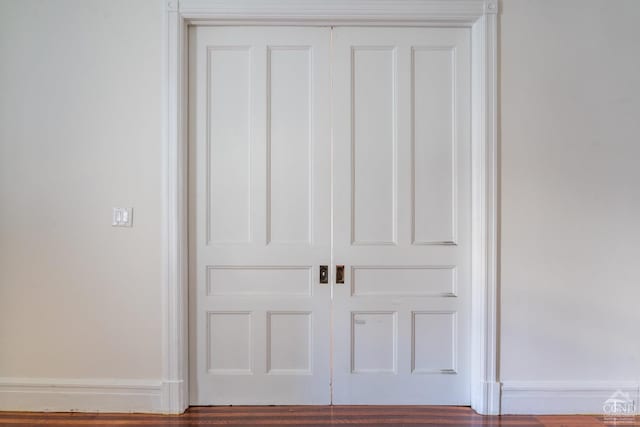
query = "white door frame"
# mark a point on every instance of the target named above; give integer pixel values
(479, 15)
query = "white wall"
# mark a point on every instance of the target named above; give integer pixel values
(80, 97)
(570, 101)
(80, 109)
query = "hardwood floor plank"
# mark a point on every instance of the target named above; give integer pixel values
(307, 416)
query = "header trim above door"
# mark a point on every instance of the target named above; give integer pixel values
(479, 15)
(335, 12)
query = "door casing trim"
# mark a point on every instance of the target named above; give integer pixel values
(479, 15)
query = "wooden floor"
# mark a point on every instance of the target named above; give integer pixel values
(309, 416)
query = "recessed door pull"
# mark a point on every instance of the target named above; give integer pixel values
(339, 273)
(324, 274)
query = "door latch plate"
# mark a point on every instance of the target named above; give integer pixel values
(324, 274)
(339, 273)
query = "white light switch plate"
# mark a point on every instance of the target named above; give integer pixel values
(122, 217)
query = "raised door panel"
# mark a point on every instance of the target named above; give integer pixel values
(373, 145)
(434, 145)
(228, 144)
(289, 144)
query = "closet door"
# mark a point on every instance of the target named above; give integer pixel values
(260, 179)
(401, 108)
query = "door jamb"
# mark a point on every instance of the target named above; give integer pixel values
(479, 15)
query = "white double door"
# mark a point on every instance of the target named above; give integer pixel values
(317, 146)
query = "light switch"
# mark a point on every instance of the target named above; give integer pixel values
(122, 217)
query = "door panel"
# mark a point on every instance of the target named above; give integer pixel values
(259, 158)
(373, 146)
(401, 109)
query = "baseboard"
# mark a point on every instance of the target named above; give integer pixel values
(89, 395)
(581, 397)
(154, 396)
